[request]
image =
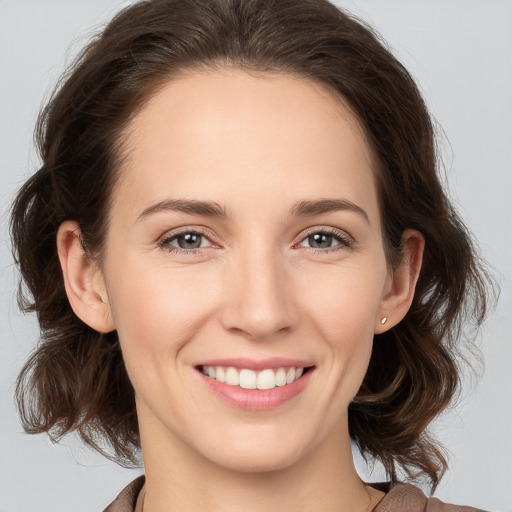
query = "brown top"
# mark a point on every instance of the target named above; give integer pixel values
(399, 498)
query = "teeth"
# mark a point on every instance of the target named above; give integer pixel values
(232, 377)
(220, 374)
(249, 379)
(281, 377)
(266, 380)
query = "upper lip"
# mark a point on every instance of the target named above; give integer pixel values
(258, 364)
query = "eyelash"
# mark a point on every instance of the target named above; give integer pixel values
(166, 242)
(343, 239)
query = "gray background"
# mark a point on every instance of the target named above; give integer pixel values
(460, 51)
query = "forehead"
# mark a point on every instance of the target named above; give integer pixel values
(218, 132)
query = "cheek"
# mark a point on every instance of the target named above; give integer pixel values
(159, 310)
(346, 300)
(157, 314)
(343, 307)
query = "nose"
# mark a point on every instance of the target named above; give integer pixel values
(260, 301)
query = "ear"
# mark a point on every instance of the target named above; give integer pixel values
(83, 279)
(401, 282)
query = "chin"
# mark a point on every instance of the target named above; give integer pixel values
(257, 462)
(256, 455)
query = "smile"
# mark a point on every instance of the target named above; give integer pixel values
(256, 384)
(246, 378)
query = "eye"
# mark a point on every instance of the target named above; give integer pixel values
(185, 242)
(326, 240)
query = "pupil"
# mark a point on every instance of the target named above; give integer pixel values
(189, 241)
(320, 240)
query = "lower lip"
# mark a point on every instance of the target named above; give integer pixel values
(256, 399)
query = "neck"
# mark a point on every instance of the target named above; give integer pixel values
(324, 480)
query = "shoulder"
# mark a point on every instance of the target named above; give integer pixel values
(407, 497)
(399, 497)
(127, 498)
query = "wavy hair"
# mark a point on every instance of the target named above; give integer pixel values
(75, 379)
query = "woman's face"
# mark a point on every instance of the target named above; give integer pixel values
(244, 241)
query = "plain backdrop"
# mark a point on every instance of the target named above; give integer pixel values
(460, 51)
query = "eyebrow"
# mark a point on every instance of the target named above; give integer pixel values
(309, 208)
(194, 207)
(212, 209)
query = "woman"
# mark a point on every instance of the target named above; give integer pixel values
(238, 241)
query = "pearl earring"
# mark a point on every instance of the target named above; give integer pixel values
(383, 320)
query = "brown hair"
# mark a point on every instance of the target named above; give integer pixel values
(75, 380)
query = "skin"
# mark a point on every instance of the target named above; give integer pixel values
(258, 287)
